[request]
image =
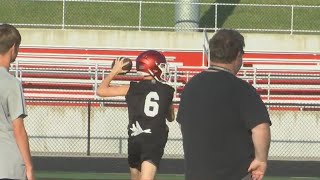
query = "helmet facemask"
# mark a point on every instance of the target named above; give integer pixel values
(165, 72)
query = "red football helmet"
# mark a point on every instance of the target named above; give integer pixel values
(152, 63)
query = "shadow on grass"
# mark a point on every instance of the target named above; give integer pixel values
(224, 11)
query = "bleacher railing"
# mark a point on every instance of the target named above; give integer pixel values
(66, 77)
(155, 15)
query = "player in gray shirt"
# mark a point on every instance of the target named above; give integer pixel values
(15, 158)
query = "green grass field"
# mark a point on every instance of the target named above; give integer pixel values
(161, 15)
(124, 176)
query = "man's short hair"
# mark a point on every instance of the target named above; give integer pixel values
(9, 36)
(225, 46)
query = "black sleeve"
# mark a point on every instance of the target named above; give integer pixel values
(181, 110)
(170, 98)
(133, 84)
(171, 93)
(252, 109)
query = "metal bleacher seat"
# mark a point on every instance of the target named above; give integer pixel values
(282, 83)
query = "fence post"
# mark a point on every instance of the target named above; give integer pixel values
(63, 13)
(96, 78)
(204, 46)
(140, 14)
(89, 131)
(120, 145)
(292, 19)
(254, 76)
(216, 17)
(175, 80)
(269, 87)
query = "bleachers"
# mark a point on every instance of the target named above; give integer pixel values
(258, 58)
(76, 73)
(56, 73)
(286, 85)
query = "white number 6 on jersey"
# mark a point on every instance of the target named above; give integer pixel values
(151, 107)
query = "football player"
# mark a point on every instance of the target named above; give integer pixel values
(149, 105)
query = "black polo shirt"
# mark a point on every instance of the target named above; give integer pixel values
(217, 112)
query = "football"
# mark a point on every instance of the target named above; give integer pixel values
(127, 67)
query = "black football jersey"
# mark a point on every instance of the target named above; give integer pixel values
(148, 105)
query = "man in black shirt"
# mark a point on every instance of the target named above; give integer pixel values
(224, 123)
(149, 105)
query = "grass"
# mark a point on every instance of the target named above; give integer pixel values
(161, 15)
(45, 175)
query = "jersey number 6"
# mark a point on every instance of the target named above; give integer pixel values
(151, 107)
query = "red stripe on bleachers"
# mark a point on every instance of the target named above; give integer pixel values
(282, 55)
(189, 58)
(285, 91)
(57, 86)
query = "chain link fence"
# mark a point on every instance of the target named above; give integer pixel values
(98, 128)
(178, 15)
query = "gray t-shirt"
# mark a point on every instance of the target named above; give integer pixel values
(12, 106)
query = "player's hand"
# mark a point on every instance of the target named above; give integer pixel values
(257, 169)
(30, 175)
(118, 64)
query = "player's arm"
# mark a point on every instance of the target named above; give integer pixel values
(17, 111)
(257, 119)
(171, 116)
(261, 138)
(22, 141)
(105, 90)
